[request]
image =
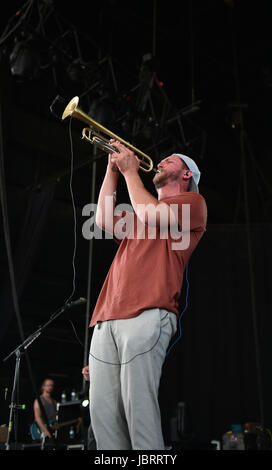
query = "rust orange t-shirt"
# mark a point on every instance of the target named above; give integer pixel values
(147, 272)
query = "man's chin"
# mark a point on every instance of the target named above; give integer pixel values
(156, 182)
(159, 180)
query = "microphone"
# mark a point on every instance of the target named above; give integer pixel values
(79, 301)
(57, 107)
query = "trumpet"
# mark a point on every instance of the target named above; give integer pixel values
(95, 134)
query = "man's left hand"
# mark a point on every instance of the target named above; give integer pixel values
(86, 373)
(126, 159)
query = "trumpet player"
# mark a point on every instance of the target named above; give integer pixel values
(136, 313)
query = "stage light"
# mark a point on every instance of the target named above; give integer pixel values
(25, 61)
(234, 114)
(77, 71)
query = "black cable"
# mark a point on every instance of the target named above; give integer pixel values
(183, 311)
(74, 210)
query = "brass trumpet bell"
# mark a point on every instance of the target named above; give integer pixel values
(94, 134)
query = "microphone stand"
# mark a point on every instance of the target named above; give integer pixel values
(18, 352)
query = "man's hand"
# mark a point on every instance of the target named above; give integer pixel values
(111, 165)
(125, 160)
(86, 373)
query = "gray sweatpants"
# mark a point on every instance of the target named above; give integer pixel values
(126, 358)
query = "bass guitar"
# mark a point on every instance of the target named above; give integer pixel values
(36, 433)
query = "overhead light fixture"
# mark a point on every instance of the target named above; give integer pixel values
(234, 114)
(25, 61)
(76, 70)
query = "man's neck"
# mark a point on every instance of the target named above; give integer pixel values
(46, 395)
(170, 190)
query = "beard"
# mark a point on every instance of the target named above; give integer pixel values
(162, 178)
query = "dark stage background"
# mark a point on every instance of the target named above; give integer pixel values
(193, 77)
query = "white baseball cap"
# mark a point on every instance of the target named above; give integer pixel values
(193, 187)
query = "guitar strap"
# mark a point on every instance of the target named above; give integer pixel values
(44, 415)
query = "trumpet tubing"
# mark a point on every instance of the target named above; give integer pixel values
(94, 134)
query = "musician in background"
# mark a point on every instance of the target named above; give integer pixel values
(49, 405)
(136, 313)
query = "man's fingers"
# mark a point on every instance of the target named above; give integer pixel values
(118, 145)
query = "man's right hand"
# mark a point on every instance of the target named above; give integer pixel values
(112, 166)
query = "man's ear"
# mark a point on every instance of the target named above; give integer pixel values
(188, 173)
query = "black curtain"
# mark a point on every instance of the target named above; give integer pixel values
(213, 367)
(37, 205)
(24, 252)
